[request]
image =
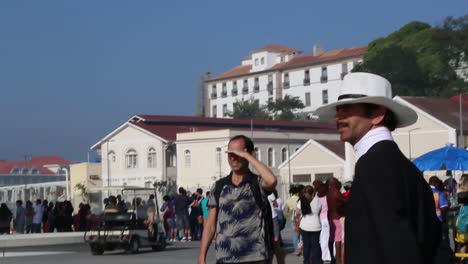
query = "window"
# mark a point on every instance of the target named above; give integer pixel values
(213, 92)
(286, 81)
(302, 178)
(256, 85)
(325, 97)
(170, 156)
(323, 176)
(218, 157)
(214, 111)
(234, 88)
(151, 158)
(225, 110)
(245, 88)
(324, 77)
(224, 91)
(34, 171)
(270, 84)
(307, 77)
(344, 70)
(111, 156)
(284, 154)
(307, 99)
(188, 158)
(148, 184)
(131, 158)
(256, 61)
(15, 170)
(262, 60)
(24, 171)
(257, 153)
(271, 158)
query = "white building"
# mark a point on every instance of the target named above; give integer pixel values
(203, 160)
(184, 150)
(274, 71)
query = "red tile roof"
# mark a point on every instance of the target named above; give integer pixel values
(296, 62)
(278, 49)
(36, 162)
(444, 109)
(168, 126)
(237, 71)
(336, 146)
(330, 56)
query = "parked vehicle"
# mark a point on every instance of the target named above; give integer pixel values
(121, 231)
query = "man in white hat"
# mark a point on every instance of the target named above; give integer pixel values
(390, 216)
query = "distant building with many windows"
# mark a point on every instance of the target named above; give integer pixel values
(273, 72)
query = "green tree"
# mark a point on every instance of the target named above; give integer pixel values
(283, 108)
(248, 109)
(419, 59)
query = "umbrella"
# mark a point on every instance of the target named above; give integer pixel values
(446, 158)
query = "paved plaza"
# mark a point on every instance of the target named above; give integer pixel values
(176, 253)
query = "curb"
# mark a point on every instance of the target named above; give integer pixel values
(43, 239)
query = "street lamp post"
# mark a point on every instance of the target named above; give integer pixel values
(409, 141)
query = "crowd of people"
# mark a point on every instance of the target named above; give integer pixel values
(45, 217)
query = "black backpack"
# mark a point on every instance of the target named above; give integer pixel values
(261, 201)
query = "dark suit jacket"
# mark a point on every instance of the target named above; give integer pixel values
(390, 216)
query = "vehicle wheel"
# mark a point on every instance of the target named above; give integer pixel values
(133, 246)
(161, 243)
(96, 250)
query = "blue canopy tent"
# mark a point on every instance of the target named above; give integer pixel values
(446, 158)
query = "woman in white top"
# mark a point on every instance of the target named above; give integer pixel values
(309, 207)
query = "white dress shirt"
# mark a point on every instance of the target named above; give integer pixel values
(372, 137)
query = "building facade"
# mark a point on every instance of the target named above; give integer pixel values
(184, 150)
(202, 155)
(85, 181)
(273, 72)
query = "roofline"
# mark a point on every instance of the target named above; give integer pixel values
(120, 128)
(112, 133)
(309, 142)
(149, 133)
(426, 114)
(279, 69)
(242, 123)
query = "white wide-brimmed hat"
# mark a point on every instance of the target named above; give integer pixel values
(361, 87)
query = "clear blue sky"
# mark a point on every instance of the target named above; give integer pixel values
(72, 71)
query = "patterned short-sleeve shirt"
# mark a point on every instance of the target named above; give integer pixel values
(240, 232)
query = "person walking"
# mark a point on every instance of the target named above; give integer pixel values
(322, 190)
(37, 218)
(20, 217)
(236, 203)
(309, 208)
(390, 216)
(181, 209)
(5, 219)
(290, 208)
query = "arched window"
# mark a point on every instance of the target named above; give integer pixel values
(111, 156)
(188, 158)
(24, 170)
(15, 170)
(152, 158)
(257, 153)
(34, 171)
(131, 158)
(271, 157)
(284, 154)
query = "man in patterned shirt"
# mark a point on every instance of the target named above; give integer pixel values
(235, 216)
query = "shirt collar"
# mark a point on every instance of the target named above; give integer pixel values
(246, 179)
(372, 137)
